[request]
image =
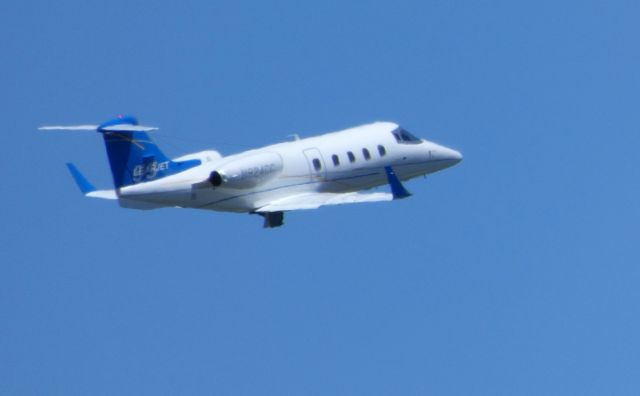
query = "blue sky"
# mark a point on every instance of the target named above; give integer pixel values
(515, 272)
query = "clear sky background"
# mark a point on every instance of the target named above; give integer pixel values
(515, 272)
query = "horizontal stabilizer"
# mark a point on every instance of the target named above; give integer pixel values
(127, 128)
(119, 124)
(316, 200)
(98, 128)
(69, 128)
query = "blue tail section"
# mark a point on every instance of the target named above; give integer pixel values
(133, 156)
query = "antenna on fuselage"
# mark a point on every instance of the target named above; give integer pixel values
(295, 136)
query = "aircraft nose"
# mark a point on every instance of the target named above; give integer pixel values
(453, 155)
(448, 156)
(445, 156)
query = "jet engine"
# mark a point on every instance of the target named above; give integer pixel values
(247, 172)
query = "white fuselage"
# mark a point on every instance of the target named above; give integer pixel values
(332, 163)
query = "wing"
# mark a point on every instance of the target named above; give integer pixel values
(315, 200)
(87, 188)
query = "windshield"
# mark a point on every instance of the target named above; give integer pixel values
(405, 137)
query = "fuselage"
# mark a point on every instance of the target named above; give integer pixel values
(350, 160)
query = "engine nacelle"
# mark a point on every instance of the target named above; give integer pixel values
(203, 156)
(247, 172)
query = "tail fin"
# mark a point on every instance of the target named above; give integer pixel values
(133, 156)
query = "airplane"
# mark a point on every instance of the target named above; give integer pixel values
(330, 169)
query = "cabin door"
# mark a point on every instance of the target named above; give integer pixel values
(317, 169)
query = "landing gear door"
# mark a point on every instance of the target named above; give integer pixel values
(317, 168)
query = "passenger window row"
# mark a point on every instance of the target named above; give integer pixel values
(365, 154)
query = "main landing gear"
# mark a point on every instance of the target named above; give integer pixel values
(272, 219)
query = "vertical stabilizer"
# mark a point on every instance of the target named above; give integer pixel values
(133, 156)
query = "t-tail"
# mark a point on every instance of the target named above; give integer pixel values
(133, 156)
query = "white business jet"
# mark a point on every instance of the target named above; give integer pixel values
(331, 169)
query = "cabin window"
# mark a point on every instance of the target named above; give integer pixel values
(382, 150)
(352, 158)
(316, 164)
(336, 160)
(366, 154)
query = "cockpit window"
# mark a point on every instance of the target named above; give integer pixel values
(405, 137)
